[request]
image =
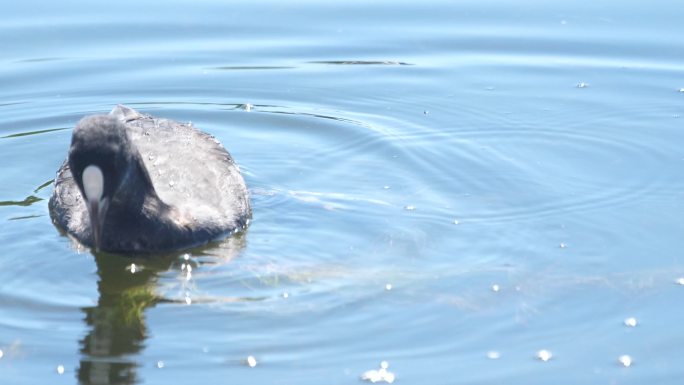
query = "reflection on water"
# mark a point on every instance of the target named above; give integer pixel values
(116, 325)
(34, 132)
(28, 201)
(359, 62)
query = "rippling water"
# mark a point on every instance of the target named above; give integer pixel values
(451, 187)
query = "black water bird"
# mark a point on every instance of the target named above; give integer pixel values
(133, 183)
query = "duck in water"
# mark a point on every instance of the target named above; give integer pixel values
(133, 183)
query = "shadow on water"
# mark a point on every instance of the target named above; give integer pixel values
(116, 326)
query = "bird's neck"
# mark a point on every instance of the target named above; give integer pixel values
(137, 218)
(136, 195)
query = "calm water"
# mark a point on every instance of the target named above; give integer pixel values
(448, 186)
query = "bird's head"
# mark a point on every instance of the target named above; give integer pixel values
(100, 159)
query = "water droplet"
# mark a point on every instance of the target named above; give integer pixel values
(493, 355)
(409, 208)
(251, 361)
(582, 85)
(495, 288)
(625, 360)
(160, 364)
(544, 355)
(388, 287)
(631, 322)
(60, 369)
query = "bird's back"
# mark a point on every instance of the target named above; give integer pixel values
(191, 171)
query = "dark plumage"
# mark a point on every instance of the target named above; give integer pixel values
(151, 185)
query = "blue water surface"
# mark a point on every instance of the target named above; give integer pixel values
(450, 187)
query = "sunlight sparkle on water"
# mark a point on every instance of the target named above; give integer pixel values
(380, 375)
(251, 361)
(160, 364)
(680, 281)
(495, 288)
(188, 269)
(625, 360)
(493, 355)
(544, 355)
(631, 322)
(60, 369)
